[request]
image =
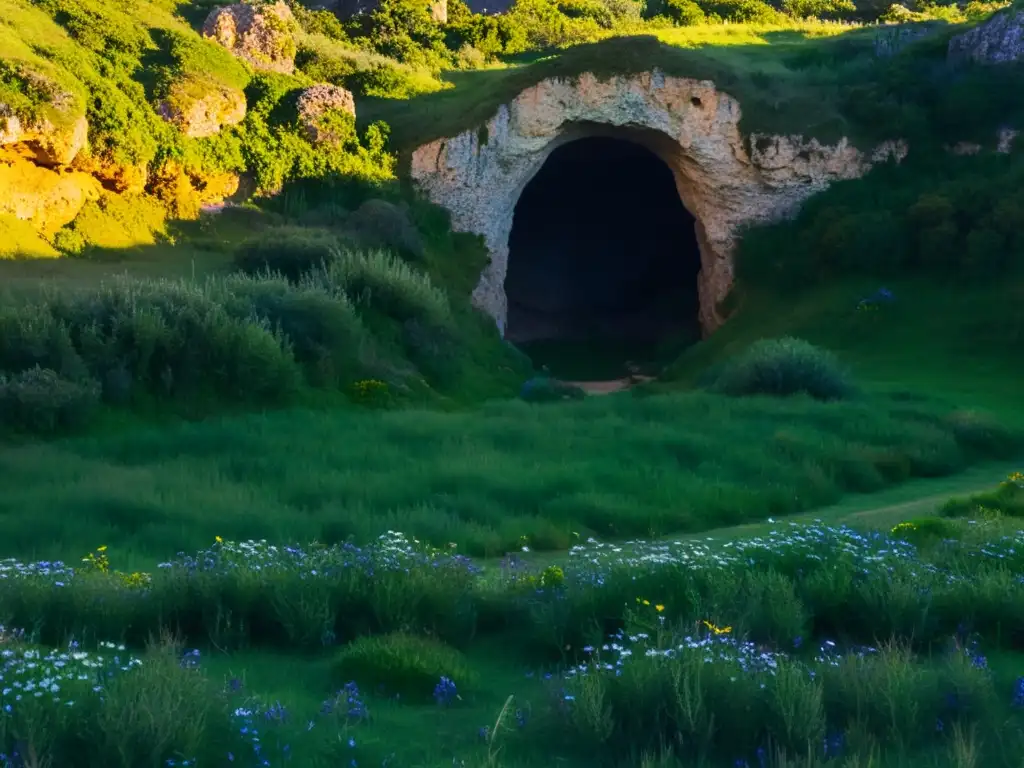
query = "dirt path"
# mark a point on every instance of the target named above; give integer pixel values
(882, 509)
(608, 387)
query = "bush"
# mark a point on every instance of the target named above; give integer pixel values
(434, 350)
(782, 367)
(289, 251)
(378, 224)
(402, 663)
(384, 284)
(40, 401)
(323, 331)
(1006, 499)
(685, 13)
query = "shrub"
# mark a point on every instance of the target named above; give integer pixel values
(782, 367)
(322, 330)
(383, 283)
(1006, 499)
(684, 12)
(434, 350)
(40, 401)
(289, 251)
(378, 224)
(402, 663)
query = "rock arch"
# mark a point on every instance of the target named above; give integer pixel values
(726, 182)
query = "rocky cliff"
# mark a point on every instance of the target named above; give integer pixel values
(727, 181)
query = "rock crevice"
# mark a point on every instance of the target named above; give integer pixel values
(725, 180)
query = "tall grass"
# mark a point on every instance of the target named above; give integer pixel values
(753, 651)
(482, 479)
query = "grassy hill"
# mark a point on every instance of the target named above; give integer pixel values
(384, 557)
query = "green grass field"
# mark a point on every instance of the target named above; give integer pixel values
(300, 574)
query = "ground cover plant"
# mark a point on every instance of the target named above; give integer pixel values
(812, 643)
(481, 478)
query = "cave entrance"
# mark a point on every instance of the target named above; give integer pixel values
(603, 262)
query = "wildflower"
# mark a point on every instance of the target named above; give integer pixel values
(717, 630)
(445, 691)
(659, 607)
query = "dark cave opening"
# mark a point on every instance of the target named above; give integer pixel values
(603, 258)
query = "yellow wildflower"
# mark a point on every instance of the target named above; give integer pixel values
(717, 630)
(659, 607)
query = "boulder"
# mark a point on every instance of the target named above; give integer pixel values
(201, 107)
(262, 35)
(184, 192)
(48, 143)
(317, 104)
(119, 177)
(45, 198)
(1000, 40)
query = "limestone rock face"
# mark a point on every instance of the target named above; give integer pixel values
(118, 177)
(48, 143)
(45, 198)
(201, 109)
(726, 181)
(999, 40)
(261, 35)
(315, 106)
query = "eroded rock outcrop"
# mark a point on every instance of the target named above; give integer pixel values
(999, 40)
(200, 108)
(45, 198)
(262, 35)
(316, 107)
(725, 180)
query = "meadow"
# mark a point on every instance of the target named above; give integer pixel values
(811, 644)
(268, 495)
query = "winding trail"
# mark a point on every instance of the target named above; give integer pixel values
(609, 386)
(882, 509)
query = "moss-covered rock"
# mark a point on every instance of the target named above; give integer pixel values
(320, 107)
(261, 35)
(201, 106)
(44, 198)
(20, 240)
(184, 192)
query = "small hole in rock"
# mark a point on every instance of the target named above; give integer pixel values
(696, 101)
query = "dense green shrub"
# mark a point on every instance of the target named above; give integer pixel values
(782, 367)
(322, 329)
(746, 11)
(378, 224)
(684, 12)
(1006, 499)
(289, 251)
(400, 663)
(435, 349)
(385, 284)
(40, 401)
(948, 217)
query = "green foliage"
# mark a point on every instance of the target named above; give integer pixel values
(39, 401)
(276, 149)
(684, 12)
(783, 367)
(378, 224)
(289, 251)
(742, 11)
(959, 218)
(818, 9)
(400, 663)
(1006, 499)
(383, 283)
(323, 331)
